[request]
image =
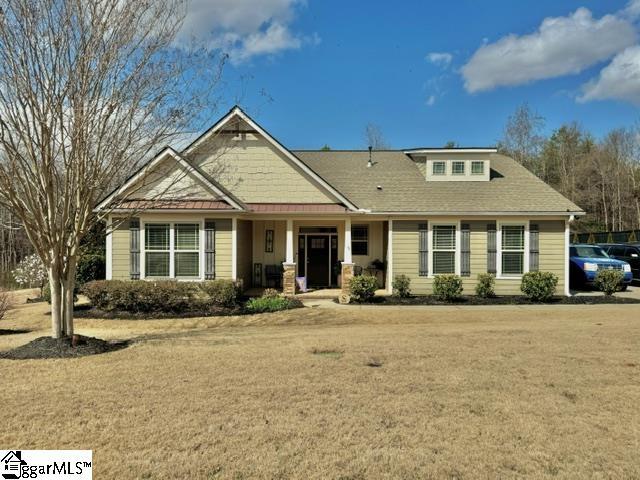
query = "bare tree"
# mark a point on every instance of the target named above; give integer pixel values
(374, 137)
(523, 139)
(88, 90)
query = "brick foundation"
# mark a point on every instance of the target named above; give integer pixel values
(289, 279)
(347, 274)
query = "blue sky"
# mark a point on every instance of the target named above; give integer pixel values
(317, 71)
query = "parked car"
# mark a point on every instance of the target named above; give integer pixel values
(629, 253)
(585, 262)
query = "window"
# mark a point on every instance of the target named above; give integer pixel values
(439, 168)
(156, 241)
(187, 254)
(512, 250)
(457, 168)
(268, 241)
(360, 240)
(159, 253)
(444, 249)
(477, 168)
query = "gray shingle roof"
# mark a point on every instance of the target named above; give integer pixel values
(512, 188)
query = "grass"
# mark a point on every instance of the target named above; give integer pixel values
(483, 392)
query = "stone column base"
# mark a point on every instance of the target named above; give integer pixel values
(347, 274)
(289, 279)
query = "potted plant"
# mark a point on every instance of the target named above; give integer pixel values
(337, 272)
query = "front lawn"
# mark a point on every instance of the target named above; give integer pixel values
(347, 393)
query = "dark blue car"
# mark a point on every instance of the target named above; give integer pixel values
(587, 260)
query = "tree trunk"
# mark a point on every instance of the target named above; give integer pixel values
(57, 328)
(68, 297)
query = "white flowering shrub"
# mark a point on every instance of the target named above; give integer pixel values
(31, 273)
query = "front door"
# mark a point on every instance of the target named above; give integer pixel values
(318, 260)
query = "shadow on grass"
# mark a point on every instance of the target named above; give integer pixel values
(17, 331)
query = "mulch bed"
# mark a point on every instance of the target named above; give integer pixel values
(506, 300)
(86, 311)
(48, 347)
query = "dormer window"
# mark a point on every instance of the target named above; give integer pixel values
(457, 168)
(477, 167)
(439, 168)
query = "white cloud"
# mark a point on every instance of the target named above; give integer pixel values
(442, 59)
(561, 46)
(431, 100)
(633, 9)
(620, 80)
(244, 28)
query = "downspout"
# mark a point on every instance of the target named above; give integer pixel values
(567, 242)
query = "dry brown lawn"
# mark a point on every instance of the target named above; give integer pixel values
(496, 392)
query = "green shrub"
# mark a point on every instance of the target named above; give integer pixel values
(401, 286)
(363, 287)
(223, 293)
(447, 287)
(485, 288)
(167, 296)
(539, 286)
(90, 267)
(271, 304)
(608, 281)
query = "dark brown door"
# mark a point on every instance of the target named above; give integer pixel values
(317, 260)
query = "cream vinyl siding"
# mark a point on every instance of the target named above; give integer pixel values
(121, 238)
(120, 251)
(405, 254)
(170, 180)
(251, 167)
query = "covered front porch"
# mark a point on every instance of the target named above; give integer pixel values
(299, 255)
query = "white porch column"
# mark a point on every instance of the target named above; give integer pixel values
(567, 242)
(109, 251)
(289, 251)
(390, 258)
(289, 266)
(234, 248)
(347, 241)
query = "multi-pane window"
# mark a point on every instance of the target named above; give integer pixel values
(360, 240)
(444, 249)
(187, 250)
(439, 168)
(156, 242)
(159, 252)
(512, 250)
(457, 168)
(477, 167)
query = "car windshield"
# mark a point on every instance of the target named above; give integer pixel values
(588, 252)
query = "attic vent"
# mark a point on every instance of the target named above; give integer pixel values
(379, 187)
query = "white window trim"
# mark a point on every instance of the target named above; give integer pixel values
(457, 250)
(172, 250)
(499, 226)
(481, 162)
(368, 227)
(464, 168)
(433, 168)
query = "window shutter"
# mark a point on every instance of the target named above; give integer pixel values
(492, 248)
(465, 250)
(423, 249)
(134, 249)
(209, 250)
(534, 247)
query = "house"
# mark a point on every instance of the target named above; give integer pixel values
(238, 204)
